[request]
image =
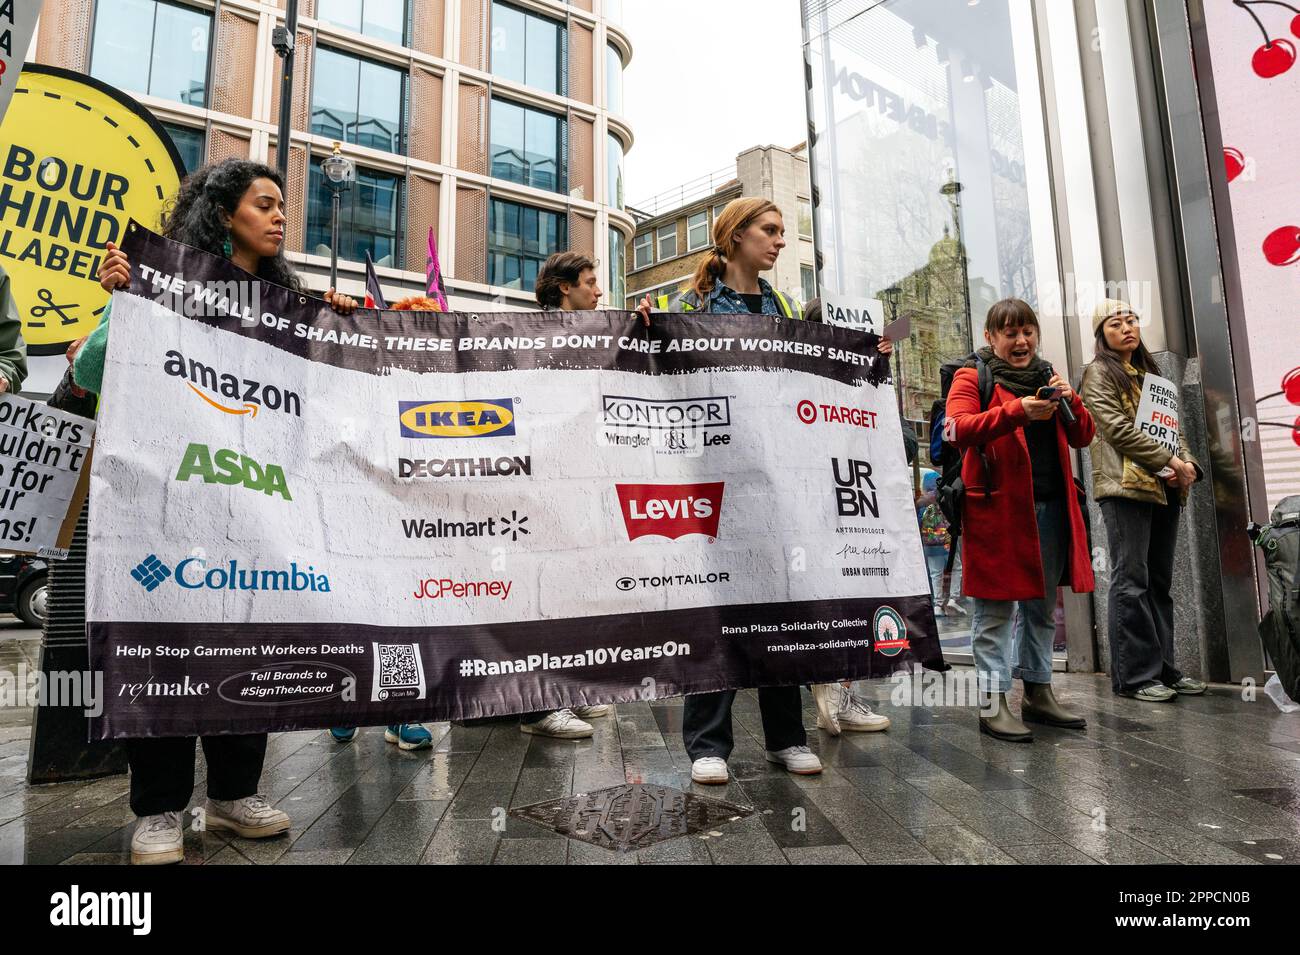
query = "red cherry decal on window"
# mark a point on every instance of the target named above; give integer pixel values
(1291, 386)
(1295, 431)
(1295, 25)
(1282, 247)
(1273, 58)
(1234, 161)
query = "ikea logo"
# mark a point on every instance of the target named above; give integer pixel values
(456, 419)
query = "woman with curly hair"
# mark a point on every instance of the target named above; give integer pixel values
(235, 209)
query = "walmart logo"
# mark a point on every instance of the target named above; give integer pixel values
(456, 419)
(151, 572)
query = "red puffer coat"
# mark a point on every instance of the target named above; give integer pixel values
(999, 535)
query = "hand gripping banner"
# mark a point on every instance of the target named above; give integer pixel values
(300, 519)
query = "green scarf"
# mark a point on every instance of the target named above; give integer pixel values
(1021, 382)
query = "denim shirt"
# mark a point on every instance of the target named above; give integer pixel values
(725, 301)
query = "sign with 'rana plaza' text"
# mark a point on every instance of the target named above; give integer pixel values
(304, 519)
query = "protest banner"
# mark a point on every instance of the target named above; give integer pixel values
(42, 454)
(1157, 413)
(301, 519)
(78, 160)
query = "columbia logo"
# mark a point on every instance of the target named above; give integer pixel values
(151, 572)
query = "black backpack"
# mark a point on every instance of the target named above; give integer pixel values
(951, 489)
(1279, 631)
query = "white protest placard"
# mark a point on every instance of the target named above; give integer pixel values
(1157, 414)
(42, 453)
(864, 314)
(17, 23)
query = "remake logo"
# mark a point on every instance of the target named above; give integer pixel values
(670, 510)
(253, 394)
(457, 419)
(193, 574)
(231, 467)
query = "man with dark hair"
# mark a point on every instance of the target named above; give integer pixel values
(567, 283)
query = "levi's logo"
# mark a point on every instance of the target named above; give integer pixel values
(670, 510)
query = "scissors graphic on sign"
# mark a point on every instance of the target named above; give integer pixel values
(46, 296)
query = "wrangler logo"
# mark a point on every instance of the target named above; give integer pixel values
(456, 419)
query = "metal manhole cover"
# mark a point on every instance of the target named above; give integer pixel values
(628, 817)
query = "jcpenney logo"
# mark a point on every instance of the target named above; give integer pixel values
(433, 588)
(670, 510)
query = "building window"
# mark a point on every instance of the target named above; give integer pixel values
(697, 231)
(189, 143)
(667, 241)
(805, 219)
(528, 49)
(519, 240)
(614, 158)
(370, 216)
(160, 49)
(381, 19)
(808, 279)
(643, 250)
(357, 101)
(617, 268)
(717, 210)
(613, 79)
(529, 146)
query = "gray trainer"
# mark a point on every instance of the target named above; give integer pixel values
(1188, 687)
(158, 840)
(1155, 693)
(251, 817)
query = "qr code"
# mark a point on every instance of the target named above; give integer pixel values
(399, 672)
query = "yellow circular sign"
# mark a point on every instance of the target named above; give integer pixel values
(78, 160)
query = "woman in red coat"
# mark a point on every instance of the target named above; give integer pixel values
(1022, 528)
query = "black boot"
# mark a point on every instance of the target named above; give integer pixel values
(1040, 706)
(1003, 724)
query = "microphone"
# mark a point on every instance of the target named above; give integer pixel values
(1067, 413)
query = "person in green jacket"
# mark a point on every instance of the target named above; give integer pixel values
(1141, 487)
(13, 350)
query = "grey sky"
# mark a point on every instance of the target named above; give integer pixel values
(708, 78)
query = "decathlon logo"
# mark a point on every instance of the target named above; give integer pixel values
(456, 419)
(193, 573)
(670, 510)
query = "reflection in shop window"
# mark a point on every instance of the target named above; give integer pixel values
(160, 49)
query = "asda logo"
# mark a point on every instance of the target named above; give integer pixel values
(456, 419)
(231, 467)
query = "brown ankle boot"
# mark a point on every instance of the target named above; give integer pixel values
(1040, 706)
(1004, 725)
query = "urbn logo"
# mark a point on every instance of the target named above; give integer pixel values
(231, 467)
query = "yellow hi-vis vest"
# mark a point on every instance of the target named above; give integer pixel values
(781, 301)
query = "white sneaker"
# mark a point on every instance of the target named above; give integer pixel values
(798, 759)
(562, 724)
(939, 611)
(158, 840)
(591, 712)
(955, 605)
(857, 716)
(709, 770)
(826, 696)
(251, 817)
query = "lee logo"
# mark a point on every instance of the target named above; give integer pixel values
(230, 467)
(456, 419)
(855, 495)
(670, 510)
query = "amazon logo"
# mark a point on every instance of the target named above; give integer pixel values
(229, 393)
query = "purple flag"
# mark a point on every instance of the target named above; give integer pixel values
(433, 275)
(374, 295)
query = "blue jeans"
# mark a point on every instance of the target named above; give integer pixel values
(936, 559)
(997, 640)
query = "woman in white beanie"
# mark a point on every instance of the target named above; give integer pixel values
(1141, 486)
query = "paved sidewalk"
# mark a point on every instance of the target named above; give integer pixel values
(1204, 780)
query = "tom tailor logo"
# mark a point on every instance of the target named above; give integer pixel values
(456, 419)
(670, 510)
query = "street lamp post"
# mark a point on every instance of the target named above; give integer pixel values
(892, 295)
(340, 173)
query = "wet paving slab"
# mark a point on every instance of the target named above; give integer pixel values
(1212, 780)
